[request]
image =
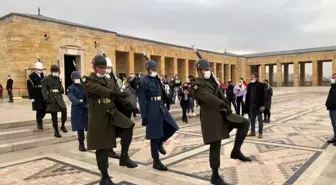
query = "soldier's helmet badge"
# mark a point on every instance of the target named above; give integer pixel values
(195, 87)
(84, 79)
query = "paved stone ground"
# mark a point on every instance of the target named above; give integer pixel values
(293, 151)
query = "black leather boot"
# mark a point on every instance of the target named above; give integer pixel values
(217, 180)
(40, 126)
(106, 179)
(56, 133)
(63, 128)
(161, 149)
(237, 154)
(125, 160)
(82, 147)
(113, 154)
(159, 166)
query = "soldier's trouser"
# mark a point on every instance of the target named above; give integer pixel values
(81, 136)
(39, 116)
(156, 143)
(125, 135)
(102, 161)
(215, 147)
(54, 118)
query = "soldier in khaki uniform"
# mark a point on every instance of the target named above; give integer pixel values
(217, 119)
(52, 91)
(106, 123)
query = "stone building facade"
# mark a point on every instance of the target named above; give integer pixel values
(23, 36)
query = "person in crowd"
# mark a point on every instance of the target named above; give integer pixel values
(268, 101)
(177, 86)
(243, 81)
(230, 95)
(172, 87)
(9, 88)
(168, 91)
(239, 91)
(331, 107)
(191, 100)
(79, 108)
(184, 97)
(254, 101)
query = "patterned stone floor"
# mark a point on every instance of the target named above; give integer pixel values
(293, 151)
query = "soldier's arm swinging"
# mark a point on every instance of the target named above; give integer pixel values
(142, 100)
(203, 96)
(99, 90)
(44, 89)
(30, 88)
(74, 100)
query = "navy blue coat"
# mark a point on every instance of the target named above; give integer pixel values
(160, 122)
(79, 108)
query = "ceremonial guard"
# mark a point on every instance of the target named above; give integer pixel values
(106, 123)
(79, 108)
(160, 125)
(217, 119)
(34, 87)
(52, 91)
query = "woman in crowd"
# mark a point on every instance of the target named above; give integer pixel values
(184, 95)
(268, 101)
(239, 90)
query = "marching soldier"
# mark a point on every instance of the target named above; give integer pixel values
(106, 123)
(52, 91)
(217, 119)
(35, 93)
(160, 125)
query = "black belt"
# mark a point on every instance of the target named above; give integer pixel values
(156, 98)
(104, 101)
(38, 86)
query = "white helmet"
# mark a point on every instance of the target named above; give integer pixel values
(108, 62)
(38, 65)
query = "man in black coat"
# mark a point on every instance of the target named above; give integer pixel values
(230, 95)
(255, 103)
(331, 107)
(9, 88)
(34, 86)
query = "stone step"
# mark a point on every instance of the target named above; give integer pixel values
(17, 144)
(174, 112)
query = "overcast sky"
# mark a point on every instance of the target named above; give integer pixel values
(239, 26)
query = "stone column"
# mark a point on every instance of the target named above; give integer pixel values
(271, 74)
(296, 74)
(233, 73)
(175, 66)
(315, 73)
(279, 74)
(214, 69)
(130, 63)
(186, 69)
(229, 77)
(302, 74)
(222, 74)
(262, 74)
(286, 73)
(162, 70)
(226, 73)
(320, 73)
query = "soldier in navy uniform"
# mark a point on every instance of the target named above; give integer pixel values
(160, 125)
(35, 93)
(79, 108)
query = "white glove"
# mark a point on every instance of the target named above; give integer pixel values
(32, 100)
(143, 52)
(193, 47)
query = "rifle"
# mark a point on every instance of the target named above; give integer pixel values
(74, 63)
(144, 54)
(38, 58)
(58, 63)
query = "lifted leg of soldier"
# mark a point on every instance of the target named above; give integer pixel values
(126, 136)
(113, 154)
(81, 138)
(214, 159)
(102, 162)
(55, 124)
(167, 134)
(64, 119)
(240, 137)
(39, 118)
(154, 143)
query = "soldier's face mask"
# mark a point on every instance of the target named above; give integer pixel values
(55, 74)
(77, 81)
(207, 74)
